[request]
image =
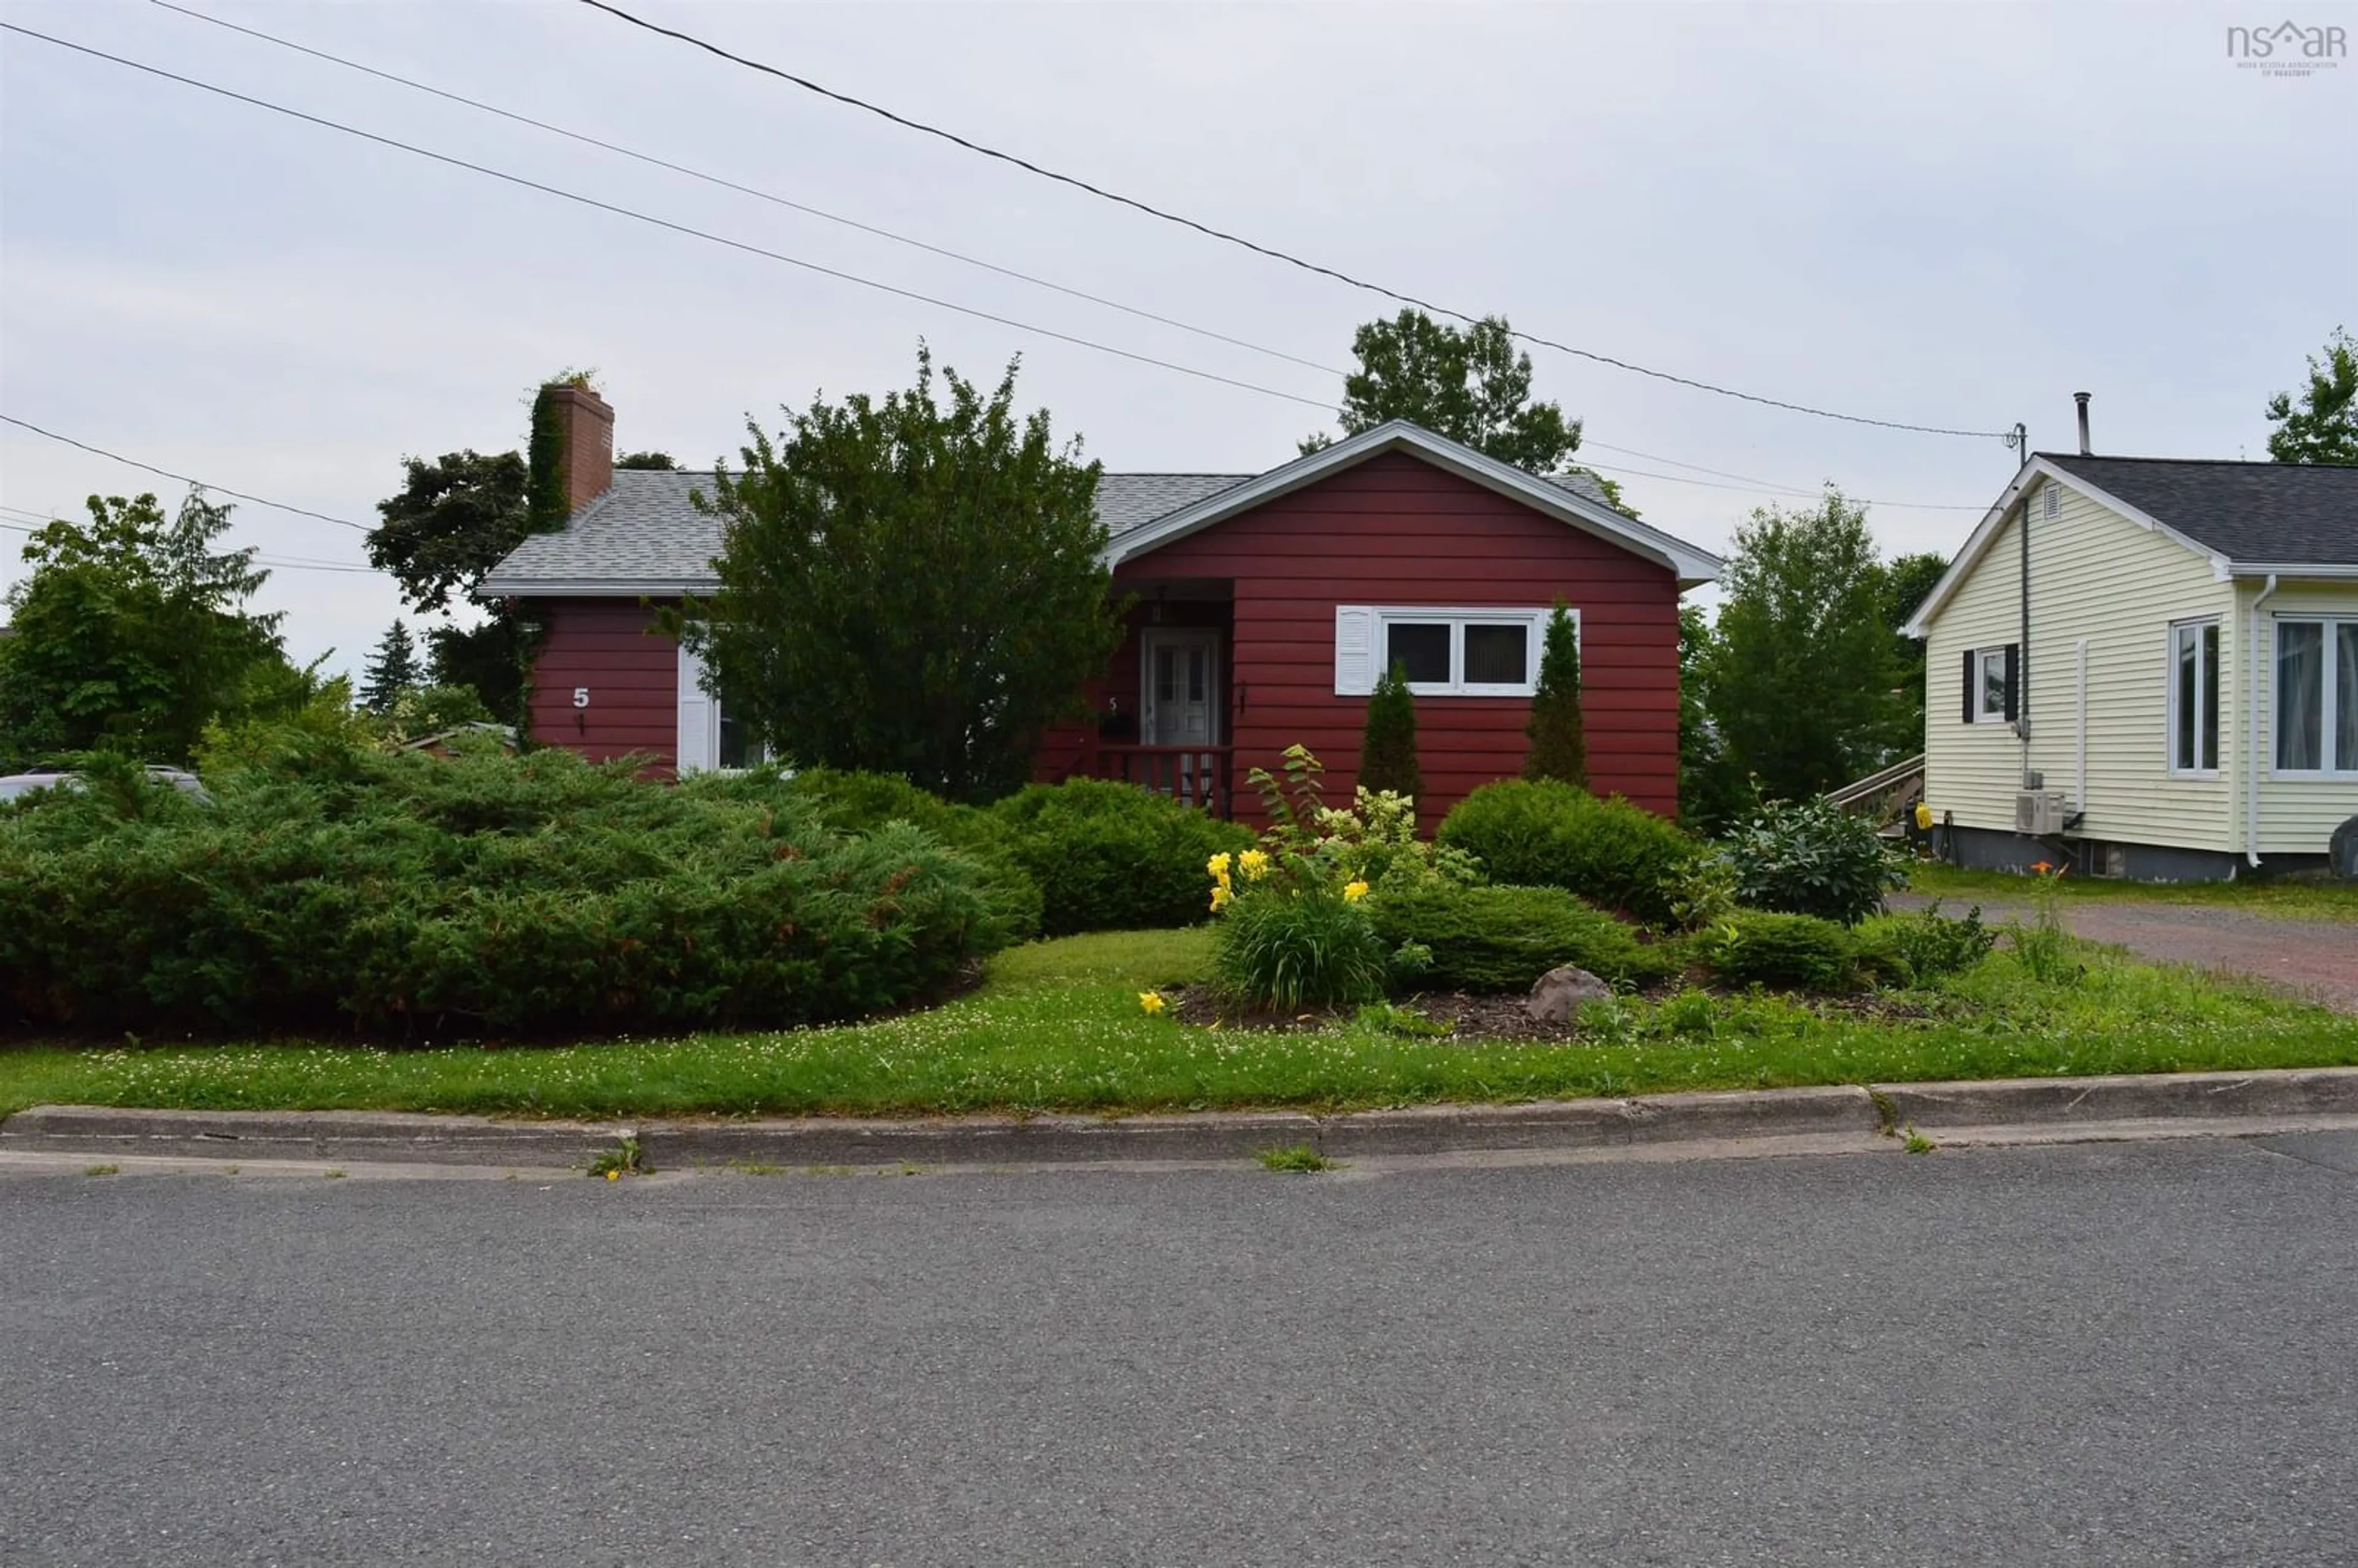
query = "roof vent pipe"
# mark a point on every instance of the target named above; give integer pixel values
(2081, 399)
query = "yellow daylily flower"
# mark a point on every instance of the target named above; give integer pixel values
(1220, 898)
(1151, 1002)
(1255, 863)
(1218, 864)
(1353, 892)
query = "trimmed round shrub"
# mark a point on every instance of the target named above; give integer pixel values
(1811, 857)
(1504, 939)
(1797, 951)
(1113, 857)
(1285, 949)
(1545, 833)
(486, 895)
(862, 802)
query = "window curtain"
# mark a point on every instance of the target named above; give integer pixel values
(2345, 704)
(2300, 695)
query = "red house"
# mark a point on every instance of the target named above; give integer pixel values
(1266, 605)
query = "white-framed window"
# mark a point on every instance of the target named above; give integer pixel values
(1993, 680)
(1443, 651)
(709, 741)
(2194, 698)
(2316, 716)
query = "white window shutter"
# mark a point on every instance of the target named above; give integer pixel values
(1355, 649)
(699, 744)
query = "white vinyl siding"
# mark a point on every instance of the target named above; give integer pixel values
(2298, 810)
(2101, 579)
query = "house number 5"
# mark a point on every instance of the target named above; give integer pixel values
(580, 696)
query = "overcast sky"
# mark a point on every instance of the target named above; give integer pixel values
(1953, 215)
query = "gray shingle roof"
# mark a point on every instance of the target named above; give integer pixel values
(1128, 501)
(2288, 514)
(646, 535)
(645, 532)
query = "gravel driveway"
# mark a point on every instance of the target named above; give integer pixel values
(2315, 959)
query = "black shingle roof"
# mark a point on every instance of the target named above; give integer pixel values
(2304, 514)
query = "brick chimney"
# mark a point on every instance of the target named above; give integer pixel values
(589, 427)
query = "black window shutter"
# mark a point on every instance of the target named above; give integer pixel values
(2013, 681)
(1972, 676)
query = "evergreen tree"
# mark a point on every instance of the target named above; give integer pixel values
(391, 670)
(1559, 733)
(1387, 750)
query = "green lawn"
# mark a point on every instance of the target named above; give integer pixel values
(1058, 1027)
(2291, 900)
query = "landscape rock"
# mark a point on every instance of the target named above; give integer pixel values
(1556, 996)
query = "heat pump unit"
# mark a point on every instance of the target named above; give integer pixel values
(2040, 813)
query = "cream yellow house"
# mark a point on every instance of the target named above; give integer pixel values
(2148, 668)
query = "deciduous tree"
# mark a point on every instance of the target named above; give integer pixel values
(1907, 580)
(1465, 383)
(131, 633)
(2322, 425)
(1797, 682)
(909, 586)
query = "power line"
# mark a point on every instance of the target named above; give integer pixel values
(151, 468)
(726, 184)
(1764, 486)
(1320, 403)
(41, 519)
(274, 563)
(655, 221)
(1269, 252)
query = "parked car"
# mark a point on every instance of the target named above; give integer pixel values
(15, 786)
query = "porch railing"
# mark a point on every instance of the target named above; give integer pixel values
(1196, 774)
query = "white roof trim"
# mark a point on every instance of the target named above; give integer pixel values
(496, 586)
(1692, 565)
(2336, 569)
(1978, 543)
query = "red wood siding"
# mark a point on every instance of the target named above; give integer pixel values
(631, 671)
(1397, 531)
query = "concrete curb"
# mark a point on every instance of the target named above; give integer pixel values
(2244, 1102)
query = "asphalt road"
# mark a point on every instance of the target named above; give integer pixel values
(2099, 1353)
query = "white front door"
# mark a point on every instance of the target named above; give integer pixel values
(1180, 669)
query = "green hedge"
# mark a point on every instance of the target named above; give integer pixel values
(487, 895)
(1503, 939)
(861, 803)
(1545, 833)
(1112, 857)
